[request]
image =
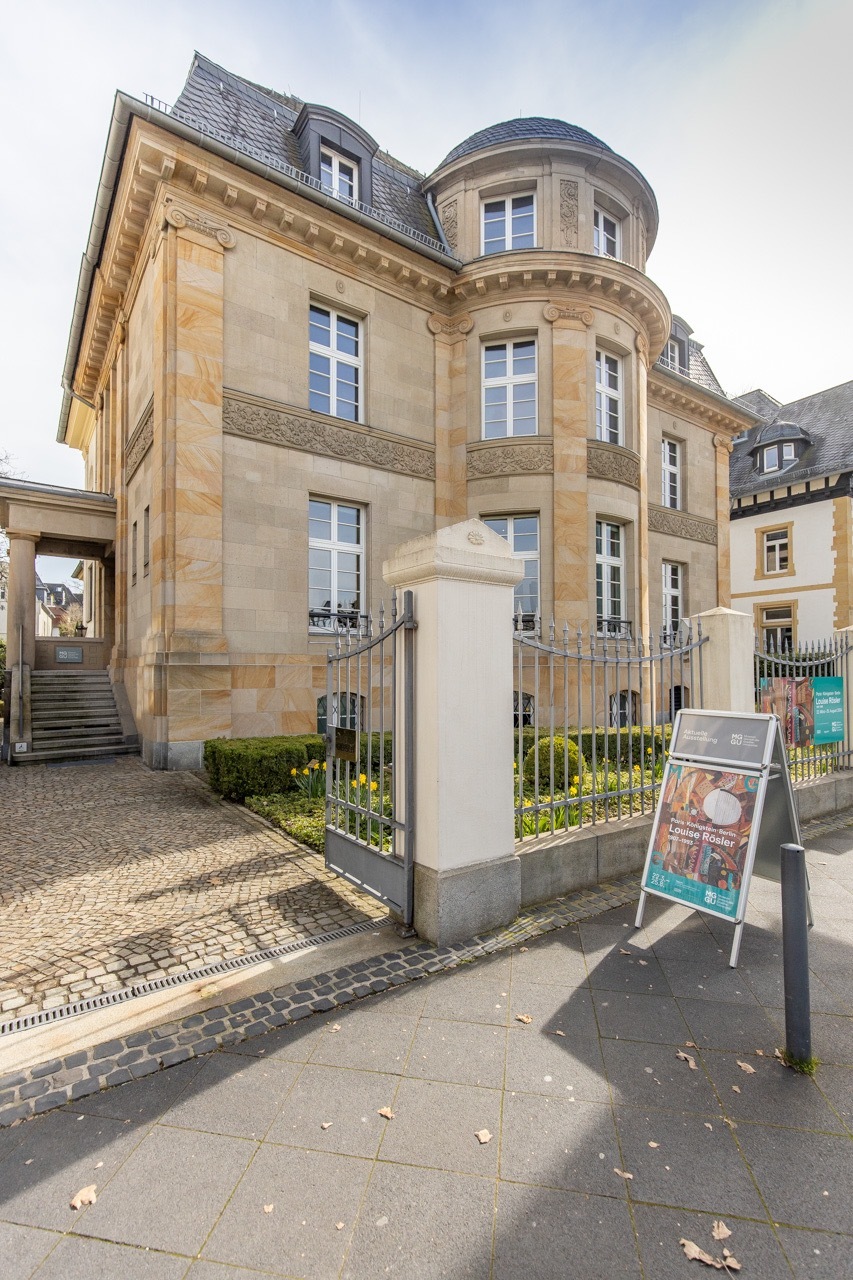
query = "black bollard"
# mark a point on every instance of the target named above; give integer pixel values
(795, 952)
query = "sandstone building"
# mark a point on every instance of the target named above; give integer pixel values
(290, 353)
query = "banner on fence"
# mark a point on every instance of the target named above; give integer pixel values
(810, 708)
(724, 810)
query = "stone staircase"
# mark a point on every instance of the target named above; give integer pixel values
(74, 716)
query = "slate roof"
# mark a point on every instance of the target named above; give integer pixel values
(698, 369)
(524, 129)
(760, 403)
(254, 119)
(826, 418)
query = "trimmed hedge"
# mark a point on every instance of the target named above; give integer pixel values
(240, 767)
(565, 755)
(624, 746)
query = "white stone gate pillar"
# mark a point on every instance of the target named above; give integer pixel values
(728, 661)
(467, 876)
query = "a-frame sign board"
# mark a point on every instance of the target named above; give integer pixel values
(724, 810)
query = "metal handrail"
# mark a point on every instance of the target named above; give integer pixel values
(21, 680)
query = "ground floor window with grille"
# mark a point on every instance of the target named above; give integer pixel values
(335, 565)
(351, 712)
(610, 579)
(522, 534)
(672, 606)
(527, 713)
(777, 628)
(624, 709)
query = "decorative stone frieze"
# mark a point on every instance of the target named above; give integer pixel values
(450, 326)
(140, 442)
(552, 312)
(677, 525)
(450, 223)
(181, 218)
(568, 213)
(611, 462)
(509, 460)
(274, 424)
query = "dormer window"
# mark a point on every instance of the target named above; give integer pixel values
(777, 456)
(338, 175)
(606, 234)
(509, 223)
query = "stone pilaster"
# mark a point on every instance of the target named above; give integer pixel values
(571, 428)
(722, 450)
(22, 598)
(642, 448)
(451, 365)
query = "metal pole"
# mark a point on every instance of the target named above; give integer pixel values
(795, 951)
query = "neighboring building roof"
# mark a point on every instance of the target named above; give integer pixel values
(255, 119)
(759, 403)
(825, 419)
(524, 129)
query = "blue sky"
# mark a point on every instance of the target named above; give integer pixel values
(737, 113)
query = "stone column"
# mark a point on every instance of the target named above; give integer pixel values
(642, 443)
(723, 448)
(22, 597)
(451, 367)
(467, 875)
(571, 419)
(728, 661)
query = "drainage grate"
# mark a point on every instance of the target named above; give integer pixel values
(178, 979)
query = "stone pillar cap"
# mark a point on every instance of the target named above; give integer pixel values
(466, 552)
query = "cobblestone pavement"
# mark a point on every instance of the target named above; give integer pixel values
(113, 874)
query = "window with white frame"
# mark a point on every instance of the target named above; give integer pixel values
(338, 175)
(509, 223)
(608, 398)
(335, 565)
(334, 360)
(522, 534)
(610, 579)
(776, 551)
(606, 234)
(777, 628)
(670, 460)
(671, 358)
(624, 709)
(509, 389)
(777, 456)
(672, 601)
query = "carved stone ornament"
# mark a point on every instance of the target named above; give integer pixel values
(553, 312)
(179, 218)
(611, 462)
(723, 442)
(642, 345)
(510, 460)
(140, 442)
(451, 327)
(279, 426)
(450, 223)
(568, 213)
(476, 538)
(677, 525)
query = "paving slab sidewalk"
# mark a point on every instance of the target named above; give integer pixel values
(273, 1156)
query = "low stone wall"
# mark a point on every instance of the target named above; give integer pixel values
(92, 653)
(564, 862)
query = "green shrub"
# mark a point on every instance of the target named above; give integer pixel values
(298, 816)
(565, 758)
(240, 767)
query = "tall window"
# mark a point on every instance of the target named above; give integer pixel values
(334, 379)
(146, 541)
(777, 628)
(624, 709)
(608, 398)
(606, 234)
(522, 534)
(670, 458)
(672, 604)
(338, 175)
(776, 549)
(609, 579)
(509, 389)
(335, 565)
(134, 541)
(509, 223)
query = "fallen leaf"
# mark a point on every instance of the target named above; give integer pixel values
(759, 1053)
(695, 1254)
(719, 1230)
(777, 1053)
(86, 1195)
(690, 1044)
(386, 1113)
(643, 962)
(708, 1126)
(524, 948)
(28, 1161)
(622, 1174)
(483, 1136)
(744, 1066)
(735, 1088)
(730, 1262)
(215, 880)
(326, 1124)
(623, 952)
(523, 1017)
(268, 1208)
(654, 1144)
(688, 1058)
(99, 1165)
(339, 1226)
(335, 1027)
(730, 1123)
(558, 1033)
(210, 990)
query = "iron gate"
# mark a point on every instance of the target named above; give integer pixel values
(370, 755)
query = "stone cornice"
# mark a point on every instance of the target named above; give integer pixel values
(140, 442)
(612, 462)
(257, 419)
(675, 524)
(697, 401)
(510, 458)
